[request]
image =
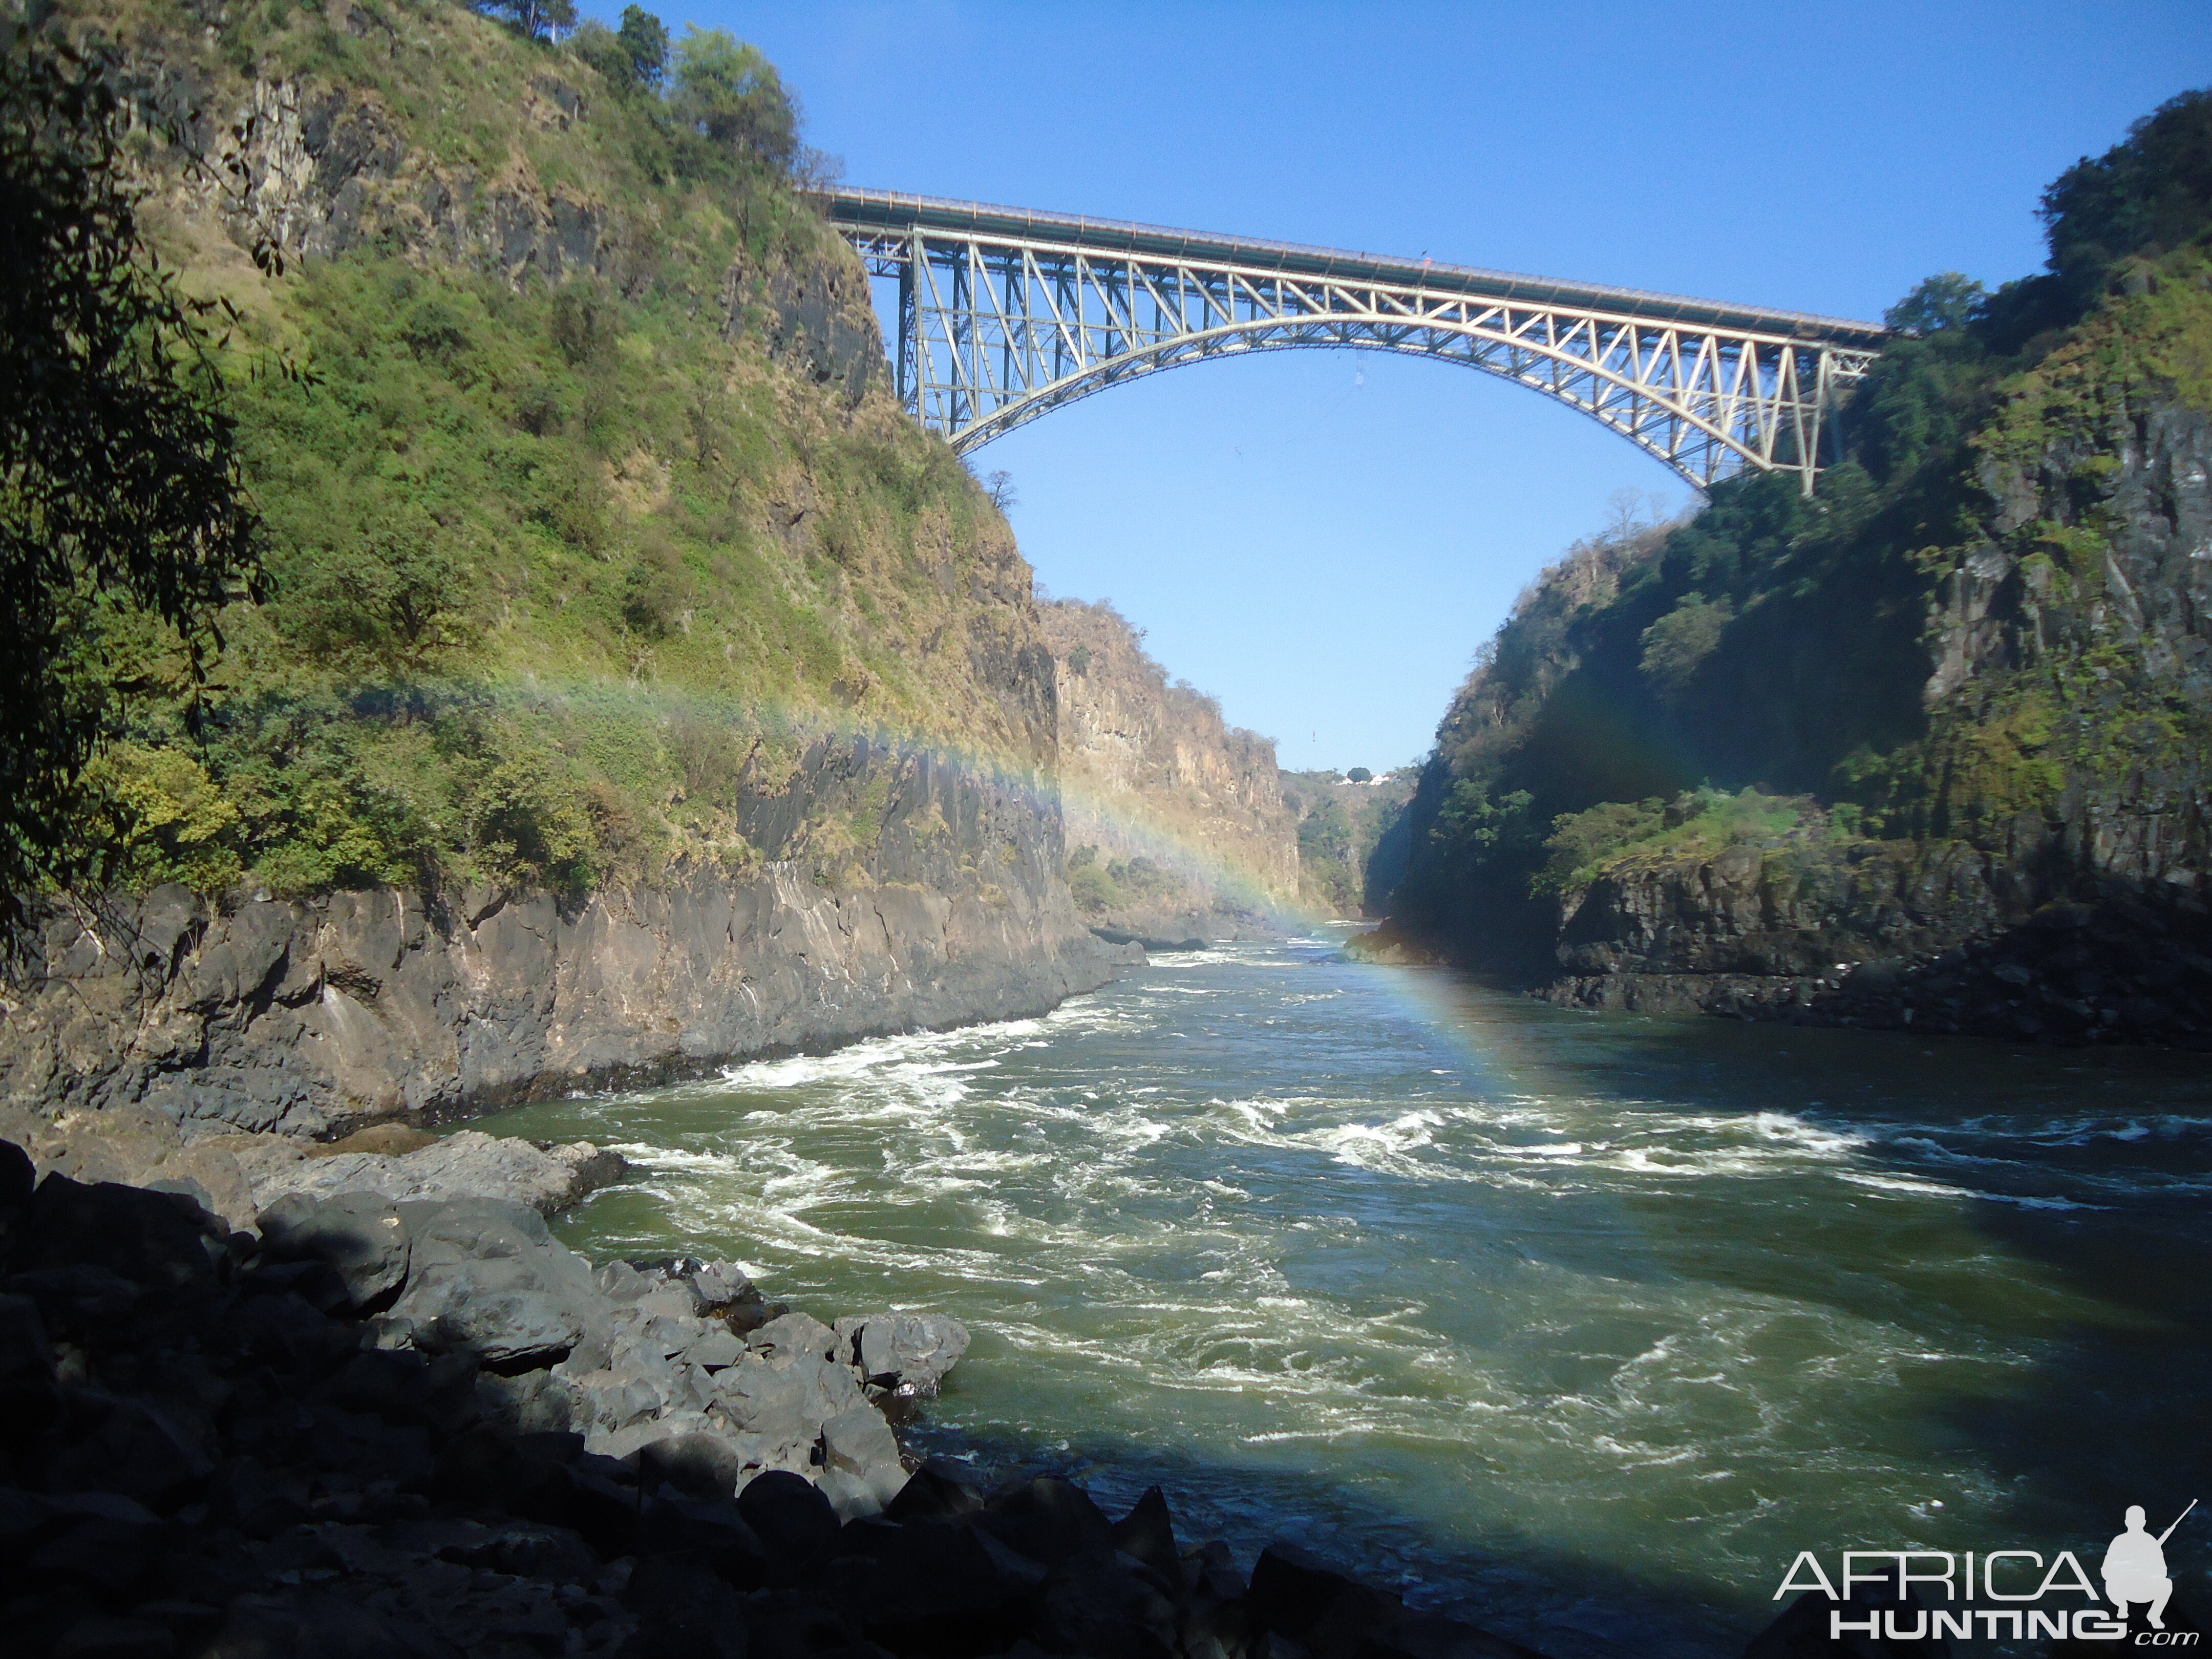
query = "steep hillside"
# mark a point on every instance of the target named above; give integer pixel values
(1175, 824)
(614, 606)
(1927, 746)
(1343, 819)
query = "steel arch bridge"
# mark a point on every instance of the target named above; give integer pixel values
(1005, 315)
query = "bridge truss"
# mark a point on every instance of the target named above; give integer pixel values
(1004, 315)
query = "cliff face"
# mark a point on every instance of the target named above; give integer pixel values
(1990, 678)
(1184, 813)
(897, 893)
(642, 689)
(2082, 618)
(1344, 824)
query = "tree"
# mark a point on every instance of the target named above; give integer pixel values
(728, 91)
(644, 40)
(1676, 646)
(2148, 194)
(123, 481)
(1948, 300)
(534, 20)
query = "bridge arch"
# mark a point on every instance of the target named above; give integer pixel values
(1005, 315)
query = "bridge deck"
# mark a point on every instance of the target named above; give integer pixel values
(889, 210)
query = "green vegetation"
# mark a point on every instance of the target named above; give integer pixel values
(1768, 657)
(1118, 886)
(122, 504)
(554, 568)
(1339, 826)
(1616, 835)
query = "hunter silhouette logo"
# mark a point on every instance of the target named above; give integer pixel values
(2135, 1566)
(1912, 1595)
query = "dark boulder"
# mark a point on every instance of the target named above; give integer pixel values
(143, 1237)
(937, 1491)
(686, 1611)
(1147, 1534)
(1047, 1519)
(318, 1284)
(486, 1278)
(790, 1514)
(154, 1453)
(530, 1549)
(19, 1180)
(108, 1554)
(712, 1529)
(360, 1236)
(697, 1465)
(927, 1587)
(1107, 1605)
(30, 1387)
(1298, 1595)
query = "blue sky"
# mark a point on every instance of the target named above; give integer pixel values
(1322, 538)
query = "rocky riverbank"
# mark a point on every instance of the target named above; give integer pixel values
(427, 1428)
(2069, 974)
(311, 1016)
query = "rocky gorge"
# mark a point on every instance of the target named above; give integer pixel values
(1926, 748)
(426, 1427)
(702, 709)
(310, 1016)
(1177, 817)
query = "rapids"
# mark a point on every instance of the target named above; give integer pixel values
(1579, 1326)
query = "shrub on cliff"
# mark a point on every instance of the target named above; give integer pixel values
(1786, 644)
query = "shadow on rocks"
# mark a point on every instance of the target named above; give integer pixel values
(217, 1446)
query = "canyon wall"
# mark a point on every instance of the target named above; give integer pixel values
(1178, 816)
(310, 1016)
(641, 689)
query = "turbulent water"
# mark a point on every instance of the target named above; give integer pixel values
(1579, 1327)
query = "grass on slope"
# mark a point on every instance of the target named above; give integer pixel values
(554, 568)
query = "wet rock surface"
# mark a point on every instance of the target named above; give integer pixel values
(427, 1428)
(2119, 971)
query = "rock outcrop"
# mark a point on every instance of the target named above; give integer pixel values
(236, 1177)
(1183, 812)
(307, 1016)
(2071, 646)
(466, 1164)
(427, 1428)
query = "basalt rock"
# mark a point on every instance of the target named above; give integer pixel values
(308, 1017)
(1894, 940)
(465, 1164)
(194, 1459)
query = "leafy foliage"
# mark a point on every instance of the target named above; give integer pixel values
(530, 617)
(123, 489)
(731, 93)
(2150, 195)
(1772, 644)
(533, 20)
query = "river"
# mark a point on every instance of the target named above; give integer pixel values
(1579, 1327)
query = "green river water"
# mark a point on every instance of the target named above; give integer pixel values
(1579, 1327)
